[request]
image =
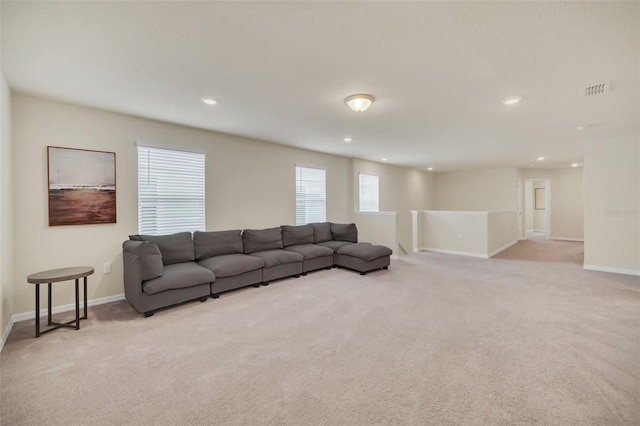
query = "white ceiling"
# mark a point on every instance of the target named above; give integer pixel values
(281, 70)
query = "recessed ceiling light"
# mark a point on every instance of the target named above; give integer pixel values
(540, 158)
(430, 168)
(384, 159)
(347, 140)
(575, 165)
(578, 128)
(512, 101)
(209, 101)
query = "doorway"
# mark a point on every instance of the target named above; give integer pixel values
(537, 209)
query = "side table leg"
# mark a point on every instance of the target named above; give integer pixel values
(77, 304)
(37, 310)
(49, 304)
(85, 298)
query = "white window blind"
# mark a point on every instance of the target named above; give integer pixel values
(170, 190)
(369, 193)
(311, 200)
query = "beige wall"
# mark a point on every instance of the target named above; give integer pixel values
(455, 232)
(6, 214)
(248, 184)
(612, 203)
(567, 200)
(401, 190)
(502, 230)
(491, 189)
(378, 228)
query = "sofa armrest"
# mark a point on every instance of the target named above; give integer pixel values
(142, 261)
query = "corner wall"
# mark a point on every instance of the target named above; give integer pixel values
(476, 190)
(6, 212)
(401, 190)
(612, 204)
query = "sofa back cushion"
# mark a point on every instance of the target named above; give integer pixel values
(297, 235)
(321, 232)
(149, 257)
(216, 243)
(344, 232)
(254, 240)
(175, 248)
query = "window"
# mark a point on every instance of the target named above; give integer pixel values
(369, 201)
(170, 190)
(311, 200)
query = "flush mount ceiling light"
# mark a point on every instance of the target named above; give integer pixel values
(347, 140)
(512, 101)
(209, 101)
(359, 103)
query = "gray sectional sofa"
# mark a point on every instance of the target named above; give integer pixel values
(165, 270)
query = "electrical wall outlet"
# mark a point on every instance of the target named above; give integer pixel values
(106, 268)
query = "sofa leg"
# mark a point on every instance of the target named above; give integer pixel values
(363, 273)
(385, 267)
(265, 284)
(203, 299)
(328, 268)
(148, 314)
(297, 275)
(256, 285)
(304, 274)
(215, 296)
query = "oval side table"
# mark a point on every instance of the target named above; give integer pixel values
(55, 276)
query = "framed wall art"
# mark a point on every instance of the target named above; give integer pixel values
(82, 186)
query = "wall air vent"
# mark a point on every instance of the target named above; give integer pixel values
(596, 89)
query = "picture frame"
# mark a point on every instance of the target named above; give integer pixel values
(81, 186)
(540, 199)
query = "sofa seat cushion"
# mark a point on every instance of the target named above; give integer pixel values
(311, 251)
(179, 275)
(365, 251)
(231, 265)
(335, 245)
(278, 257)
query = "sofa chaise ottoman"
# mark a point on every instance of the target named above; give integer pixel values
(363, 257)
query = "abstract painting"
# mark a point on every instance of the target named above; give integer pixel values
(82, 186)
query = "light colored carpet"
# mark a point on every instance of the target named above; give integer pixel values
(437, 339)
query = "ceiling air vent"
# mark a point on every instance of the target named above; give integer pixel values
(596, 89)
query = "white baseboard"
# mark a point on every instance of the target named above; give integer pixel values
(456, 252)
(395, 257)
(567, 239)
(539, 230)
(57, 309)
(5, 333)
(634, 272)
(504, 247)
